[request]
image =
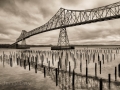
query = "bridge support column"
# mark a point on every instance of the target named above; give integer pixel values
(23, 42)
(63, 43)
(63, 38)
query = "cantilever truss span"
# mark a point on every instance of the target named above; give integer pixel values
(68, 18)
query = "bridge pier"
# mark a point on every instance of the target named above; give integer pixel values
(63, 41)
(63, 38)
(23, 42)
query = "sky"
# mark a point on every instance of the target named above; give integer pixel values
(18, 15)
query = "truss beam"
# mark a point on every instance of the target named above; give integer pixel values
(68, 18)
(63, 38)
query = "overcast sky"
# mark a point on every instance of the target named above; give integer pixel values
(18, 15)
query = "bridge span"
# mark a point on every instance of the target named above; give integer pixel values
(68, 18)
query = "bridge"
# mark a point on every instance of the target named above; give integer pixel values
(68, 18)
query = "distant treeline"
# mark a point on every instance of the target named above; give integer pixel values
(39, 45)
(9, 45)
(4, 45)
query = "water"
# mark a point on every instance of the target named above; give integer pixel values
(18, 78)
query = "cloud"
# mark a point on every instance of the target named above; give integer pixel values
(18, 15)
(70, 2)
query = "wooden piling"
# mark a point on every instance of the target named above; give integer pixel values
(11, 62)
(36, 60)
(86, 75)
(100, 67)
(49, 65)
(86, 63)
(109, 81)
(29, 66)
(101, 85)
(24, 64)
(114, 56)
(93, 58)
(73, 80)
(95, 69)
(103, 58)
(35, 68)
(119, 70)
(17, 61)
(58, 67)
(98, 58)
(69, 69)
(56, 77)
(80, 66)
(60, 62)
(44, 72)
(115, 73)
(28, 59)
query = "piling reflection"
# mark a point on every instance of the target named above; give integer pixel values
(69, 69)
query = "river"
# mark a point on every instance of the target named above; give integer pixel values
(18, 78)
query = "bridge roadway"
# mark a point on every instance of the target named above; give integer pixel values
(69, 18)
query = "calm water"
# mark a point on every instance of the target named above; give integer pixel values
(18, 78)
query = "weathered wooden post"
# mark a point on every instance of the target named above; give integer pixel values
(44, 72)
(103, 58)
(69, 69)
(24, 64)
(100, 67)
(49, 65)
(11, 62)
(109, 81)
(101, 85)
(56, 77)
(111, 57)
(81, 66)
(93, 58)
(114, 56)
(86, 73)
(59, 62)
(98, 58)
(73, 80)
(35, 68)
(95, 69)
(119, 70)
(29, 66)
(58, 67)
(115, 73)
(17, 60)
(36, 60)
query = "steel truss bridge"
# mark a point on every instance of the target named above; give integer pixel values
(68, 18)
